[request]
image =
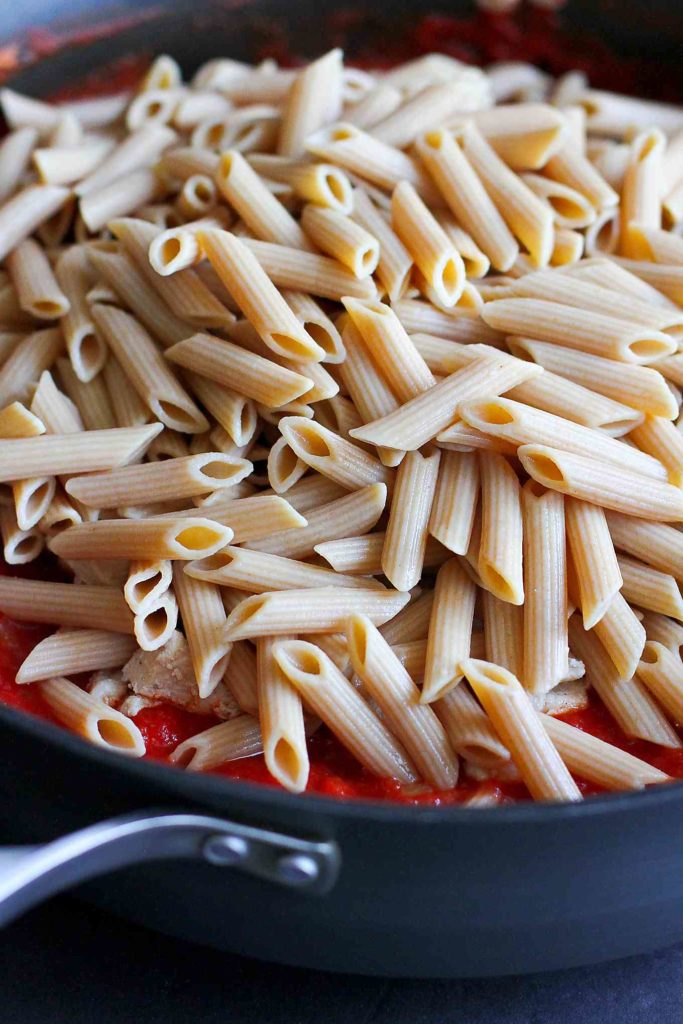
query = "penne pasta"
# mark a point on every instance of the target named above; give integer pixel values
(309, 272)
(503, 633)
(658, 545)
(332, 455)
(25, 211)
(395, 262)
(428, 244)
(65, 604)
(259, 572)
(594, 560)
(227, 741)
(18, 546)
(68, 652)
(406, 535)
(86, 452)
(18, 421)
(37, 288)
(204, 620)
(649, 588)
(147, 580)
(335, 234)
(263, 214)
(91, 718)
(455, 500)
(661, 672)
(281, 718)
(470, 731)
(500, 551)
(183, 538)
(450, 631)
(313, 100)
(35, 353)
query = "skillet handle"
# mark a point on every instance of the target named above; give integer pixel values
(31, 874)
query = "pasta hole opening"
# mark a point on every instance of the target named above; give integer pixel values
(543, 466)
(336, 187)
(359, 640)
(535, 488)
(244, 614)
(342, 134)
(497, 584)
(566, 208)
(496, 674)
(321, 337)
(287, 462)
(287, 760)
(494, 414)
(90, 352)
(450, 276)
(650, 654)
(203, 191)
(37, 499)
(115, 734)
(220, 560)
(519, 351)
(313, 443)
(226, 164)
(215, 136)
(26, 545)
(368, 259)
(305, 659)
(194, 538)
(291, 346)
(184, 758)
(170, 250)
(648, 348)
(481, 755)
(143, 588)
(651, 143)
(180, 418)
(48, 309)
(156, 623)
(434, 140)
(219, 470)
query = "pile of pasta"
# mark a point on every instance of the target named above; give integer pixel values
(351, 398)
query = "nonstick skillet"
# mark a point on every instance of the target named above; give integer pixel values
(347, 886)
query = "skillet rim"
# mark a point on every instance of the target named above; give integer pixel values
(200, 787)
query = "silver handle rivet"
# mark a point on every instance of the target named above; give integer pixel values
(225, 851)
(298, 868)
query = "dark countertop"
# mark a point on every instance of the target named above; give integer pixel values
(69, 963)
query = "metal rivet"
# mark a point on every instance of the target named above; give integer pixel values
(298, 868)
(226, 850)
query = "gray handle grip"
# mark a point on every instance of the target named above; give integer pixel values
(31, 874)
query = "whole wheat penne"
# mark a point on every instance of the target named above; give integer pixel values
(308, 271)
(253, 518)
(664, 631)
(18, 421)
(545, 585)
(666, 278)
(466, 197)
(246, 193)
(86, 452)
(659, 545)
(626, 699)
(127, 407)
(227, 741)
(597, 761)
(255, 294)
(504, 633)
(91, 718)
(15, 152)
(63, 163)
(347, 146)
(500, 553)
(118, 199)
(147, 580)
(259, 572)
(390, 685)
(514, 719)
(529, 219)
(662, 673)
(314, 100)
(571, 209)
(154, 625)
(376, 104)
(204, 621)
(25, 211)
(56, 411)
(602, 483)
(637, 386)
(198, 197)
(324, 610)
(68, 652)
(555, 394)
(233, 411)
(649, 588)
(431, 106)
(65, 604)
(616, 272)
(332, 455)
(412, 623)
(147, 371)
(450, 631)
(139, 149)
(469, 729)
(524, 135)
(335, 234)
(659, 246)
(406, 535)
(91, 399)
(662, 440)
(37, 289)
(641, 189)
(87, 351)
(428, 244)
(595, 563)
(396, 356)
(183, 538)
(334, 699)
(32, 498)
(521, 424)
(622, 635)
(363, 555)
(323, 184)
(313, 492)
(18, 546)
(34, 353)
(572, 168)
(583, 329)
(241, 673)
(425, 416)
(171, 478)
(395, 262)
(281, 718)
(284, 466)
(569, 246)
(455, 500)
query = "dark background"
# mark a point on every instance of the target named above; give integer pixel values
(66, 962)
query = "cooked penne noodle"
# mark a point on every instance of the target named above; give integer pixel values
(177, 537)
(68, 652)
(333, 698)
(659, 246)
(259, 572)
(570, 208)
(597, 761)
(455, 324)
(324, 610)
(35, 353)
(227, 741)
(664, 631)
(665, 278)
(154, 625)
(18, 546)
(395, 262)
(323, 184)
(149, 374)
(91, 399)
(166, 480)
(602, 483)
(309, 271)
(622, 635)
(593, 557)
(118, 199)
(363, 555)
(15, 152)
(546, 647)
(18, 421)
(335, 234)
(25, 211)
(395, 355)
(37, 288)
(284, 466)
(233, 411)
(57, 412)
(317, 324)
(314, 100)
(641, 190)
(255, 518)
(63, 163)
(470, 731)
(425, 416)
(32, 498)
(91, 718)
(281, 718)
(263, 214)
(147, 580)
(555, 394)
(241, 674)
(428, 244)
(412, 623)
(450, 631)
(374, 106)
(518, 726)
(258, 298)
(204, 620)
(662, 673)
(571, 167)
(637, 386)
(332, 455)
(626, 699)
(661, 440)
(521, 424)
(127, 407)
(569, 246)
(87, 351)
(610, 113)
(649, 588)
(406, 535)
(503, 633)
(658, 545)
(416, 726)
(500, 552)
(455, 500)
(86, 452)
(524, 135)
(65, 604)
